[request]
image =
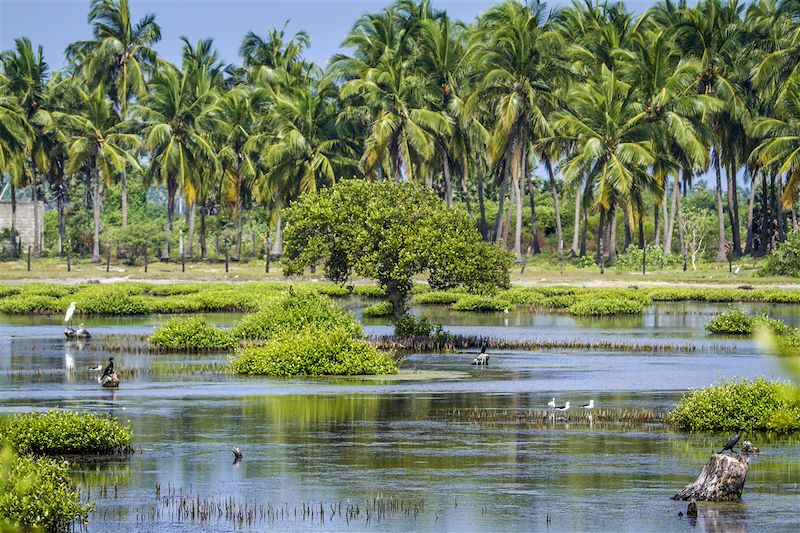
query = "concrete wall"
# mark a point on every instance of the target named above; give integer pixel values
(24, 223)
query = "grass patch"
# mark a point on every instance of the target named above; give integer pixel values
(481, 303)
(438, 297)
(313, 351)
(753, 405)
(594, 306)
(59, 432)
(192, 333)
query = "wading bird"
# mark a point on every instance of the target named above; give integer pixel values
(551, 405)
(589, 405)
(564, 408)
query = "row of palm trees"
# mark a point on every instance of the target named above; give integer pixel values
(620, 111)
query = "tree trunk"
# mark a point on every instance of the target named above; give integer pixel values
(748, 247)
(239, 208)
(601, 252)
(732, 210)
(641, 232)
(498, 221)
(780, 216)
(62, 223)
(556, 208)
(512, 200)
(14, 254)
(448, 186)
(676, 195)
(96, 205)
(203, 245)
(520, 202)
(123, 197)
(720, 212)
(36, 226)
(482, 208)
(277, 246)
(657, 219)
(584, 232)
(398, 299)
(534, 228)
(626, 220)
(612, 237)
(664, 216)
(172, 188)
(190, 233)
(722, 480)
(764, 234)
(575, 250)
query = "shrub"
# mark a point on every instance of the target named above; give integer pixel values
(476, 302)
(23, 303)
(438, 297)
(597, 306)
(631, 259)
(174, 289)
(562, 301)
(108, 300)
(47, 289)
(332, 290)
(295, 310)
(411, 326)
(523, 296)
(38, 494)
(369, 291)
(379, 310)
(6, 291)
(753, 405)
(192, 333)
(731, 322)
(785, 260)
(59, 432)
(313, 352)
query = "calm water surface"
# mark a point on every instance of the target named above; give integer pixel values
(338, 442)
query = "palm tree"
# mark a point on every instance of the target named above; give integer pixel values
(99, 143)
(520, 55)
(14, 143)
(613, 145)
(119, 56)
(176, 127)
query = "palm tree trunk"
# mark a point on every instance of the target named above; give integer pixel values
(448, 186)
(748, 246)
(14, 254)
(584, 232)
(532, 194)
(482, 208)
(762, 245)
(626, 219)
(123, 197)
(277, 246)
(498, 221)
(35, 196)
(520, 202)
(779, 214)
(172, 188)
(238, 251)
(657, 220)
(512, 201)
(96, 200)
(203, 245)
(575, 250)
(676, 198)
(556, 207)
(612, 237)
(732, 210)
(190, 233)
(720, 212)
(62, 223)
(600, 258)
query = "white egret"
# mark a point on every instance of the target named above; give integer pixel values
(70, 312)
(551, 404)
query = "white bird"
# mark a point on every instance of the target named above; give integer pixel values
(737, 269)
(551, 404)
(69, 362)
(505, 310)
(563, 408)
(589, 405)
(97, 368)
(70, 311)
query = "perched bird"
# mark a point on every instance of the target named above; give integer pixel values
(564, 408)
(237, 454)
(109, 369)
(551, 404)
(589, 405)
(732, 442)
(70, 311)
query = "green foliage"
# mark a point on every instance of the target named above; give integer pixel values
(192, 333)
(412, 326)
(523, 296)
(313, 351)
(295, 310)
(133, 239)
(754, 405)
(438, 297)
(785, 260)
(390, 232)
(476, 302)
(631, 259)
(382, 309)
(23, 303)
(109, 300)
(736, 322)
(59, 432)
(369, 291)
(607, 305)
(38, 494)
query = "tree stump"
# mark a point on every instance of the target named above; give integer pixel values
(722, 480)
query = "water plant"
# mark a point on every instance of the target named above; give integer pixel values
(58, 432)
(192, 333)
(481, 303)
(313, 351)
(753, 405)
(381, 309)
(609, 305)
(736, 322)
(438, 297)
(37, 494)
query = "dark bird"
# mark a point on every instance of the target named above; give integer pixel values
(237, 454)
(109, 369)
(484, 346)
(732, 442)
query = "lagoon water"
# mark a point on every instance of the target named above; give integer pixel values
(392, 449)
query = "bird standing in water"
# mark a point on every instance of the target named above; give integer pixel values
(589, 406)
(551, 405)
(732, 442)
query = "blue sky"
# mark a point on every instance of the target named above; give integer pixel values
(55, 23)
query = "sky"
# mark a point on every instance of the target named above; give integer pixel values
(55, 23)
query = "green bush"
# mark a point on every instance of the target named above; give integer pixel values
(313, 351)
(736, 322)
(48, 289)
(610, 305)
(382, 309)
(38, 494)
(192, 333)
(24, 303)
(412, 326)
(115, 299)
(369, 291)
(785, 260)
(562, 301)
(295, 310)
(6, 291)
(59, 432)
(523, 296)
(332, 290)
(476, 302)
(753, 405)
(438, 297)
(631, 259)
